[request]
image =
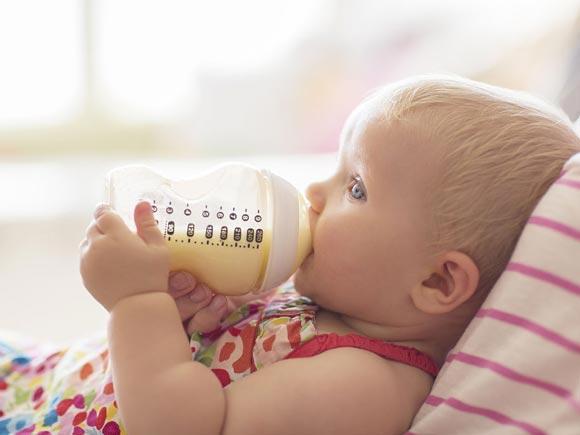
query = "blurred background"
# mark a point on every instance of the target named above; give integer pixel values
(181, 85)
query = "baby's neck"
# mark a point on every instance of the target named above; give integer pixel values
(420, 337)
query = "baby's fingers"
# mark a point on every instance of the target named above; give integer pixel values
(193, 301)
(181, 283)
(208, 318)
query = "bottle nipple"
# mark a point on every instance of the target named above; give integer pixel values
(291, 238)
(304, 233)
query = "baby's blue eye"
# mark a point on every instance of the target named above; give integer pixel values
(355, 189)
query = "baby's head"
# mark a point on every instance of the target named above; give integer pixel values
(437, 177)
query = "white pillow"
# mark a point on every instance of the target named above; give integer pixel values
(516, 369)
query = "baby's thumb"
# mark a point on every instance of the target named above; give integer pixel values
(146, 225)
(181, 283)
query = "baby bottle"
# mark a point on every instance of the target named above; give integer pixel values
(236, 228)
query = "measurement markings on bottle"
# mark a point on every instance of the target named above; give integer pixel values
(253, 236)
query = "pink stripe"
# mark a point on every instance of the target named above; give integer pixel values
(571, 183)
(515, 376)
(542, 275)
(530, 326)
(484, 412)
(554, 225)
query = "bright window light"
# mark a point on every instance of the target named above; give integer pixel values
(148, 53)
(40, 61)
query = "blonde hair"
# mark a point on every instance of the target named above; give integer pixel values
(502, 149)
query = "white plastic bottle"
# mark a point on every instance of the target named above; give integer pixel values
(236, 228)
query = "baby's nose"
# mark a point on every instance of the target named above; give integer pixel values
(315, 196)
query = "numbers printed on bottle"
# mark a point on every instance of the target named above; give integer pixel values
(252, 235)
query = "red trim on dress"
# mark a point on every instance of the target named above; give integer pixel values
(395, 352)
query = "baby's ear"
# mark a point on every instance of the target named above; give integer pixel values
(453, 280)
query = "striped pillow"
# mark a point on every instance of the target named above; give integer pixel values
(516, 369)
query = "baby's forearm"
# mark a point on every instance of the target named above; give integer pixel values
(158, 388)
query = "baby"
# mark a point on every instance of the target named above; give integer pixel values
(436, 178)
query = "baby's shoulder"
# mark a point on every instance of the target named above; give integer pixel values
(413, 383)
(402, 386)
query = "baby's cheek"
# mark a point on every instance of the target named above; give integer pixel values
(340, 249)
(328, 238)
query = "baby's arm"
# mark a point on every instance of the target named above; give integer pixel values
(160, 390)
(154, 377)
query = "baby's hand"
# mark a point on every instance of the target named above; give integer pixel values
(199, 308)
(117, 263)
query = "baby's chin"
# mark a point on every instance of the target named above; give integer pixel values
(298, 280)
(302, 285)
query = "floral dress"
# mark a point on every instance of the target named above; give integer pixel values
(47, 390)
